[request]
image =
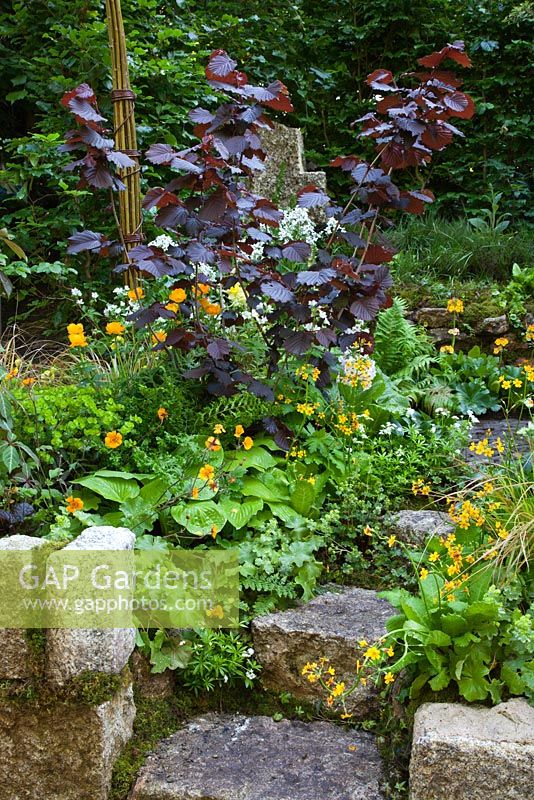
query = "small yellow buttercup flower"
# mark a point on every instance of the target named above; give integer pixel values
(115, 328)
(177, 296)
(74, 504)
(113, 440)
(389, 677)
(499, 345)
(373, 653)
(423, 575)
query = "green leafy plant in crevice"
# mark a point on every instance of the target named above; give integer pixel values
(401, 348)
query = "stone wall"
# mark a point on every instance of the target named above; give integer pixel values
(66, 700)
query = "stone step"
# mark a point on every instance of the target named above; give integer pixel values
(223, 757)
(331, 625)
(417, 527)
(472, 753)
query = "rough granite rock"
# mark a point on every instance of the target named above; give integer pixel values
(285, 172)
(62, 751)
(254, 758)
(434, 317)
(154, 685)
(416, 527)
(72, 651)
(473, 753)
(494, 325)
(15, 654)
(330, 625)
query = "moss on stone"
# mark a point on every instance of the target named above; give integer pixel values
(88, 688)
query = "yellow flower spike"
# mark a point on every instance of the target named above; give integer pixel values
(113, 439)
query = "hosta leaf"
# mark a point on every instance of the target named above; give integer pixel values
(111, 488)
(238, 514)
(199, 518)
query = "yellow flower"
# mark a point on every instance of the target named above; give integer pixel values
(162, 414)
(367, 531)
(74, 328)
(248, 442)
(158, 337)
(390, 651)
(214, 531)
(529, 336)
(113, 439)
(219, 429)
(194, 493)
(499, 345)
(373, 653)
(389, 677)
(74, 504)
(392, 539)
(423, 575)
(28, 381)
(213, 309)
(455, 305)
(434, 556)
(239, 431)
(115, 328)
(363, 643)
(136, 294)
(206, 472)
(338, 689)
(204, 288)
(177, 296)
(11, 374)
(447, 348)
(308, 409)
(212, 444)
(517, 383)
(174, 307)
(76, 335)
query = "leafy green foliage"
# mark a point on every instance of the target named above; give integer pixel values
(398, 342)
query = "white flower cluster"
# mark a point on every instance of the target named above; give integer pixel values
(78, 299)
(358, 369)
(123, 305)
(162, 241)
(257, 314)
(296, 224)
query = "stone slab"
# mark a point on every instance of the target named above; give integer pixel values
(330, 625)
(255, 758)
(15, 654)
(62, 751)
(416, 527)
(472, 753)
(70, 652)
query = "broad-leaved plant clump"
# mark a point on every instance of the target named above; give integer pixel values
(306, 301)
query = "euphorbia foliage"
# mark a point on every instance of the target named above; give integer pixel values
(310, 301)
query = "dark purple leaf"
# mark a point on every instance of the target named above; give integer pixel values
(296, 251)
(220, 65)
(299, 342)
(121, 160)
(365, 308)
(218, 348)
(315, 277)
(312, 196)
(86, 240)
(277, 292)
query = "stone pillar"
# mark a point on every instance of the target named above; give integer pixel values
(285, 172)
(61, 730)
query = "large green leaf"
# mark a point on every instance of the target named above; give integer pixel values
(303, 497)
(239, 514)
(111, 488)
(254, 487)
(5, 407)
(10, 457)
(256, 458)
(199, 518)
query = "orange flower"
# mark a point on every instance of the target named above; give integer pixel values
(74, 504)
(28, 381)
(206, 472)
(248, 442)
(113, 440)
(212, 444)
(239, 431)
(177, 296)
(214, 531)
(11, 374)
(136, 294)
(219, 429)
(213, 309)
(174, 307)
(162, 414)
(76, 335)
(204, 288)
(158, 336)
(115, 328)
(194, 493)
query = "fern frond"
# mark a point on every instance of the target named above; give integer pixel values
(397, 340)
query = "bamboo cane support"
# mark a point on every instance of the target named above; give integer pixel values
(125, 134)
